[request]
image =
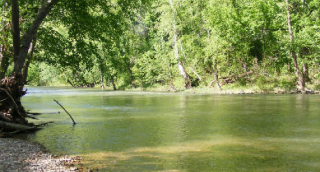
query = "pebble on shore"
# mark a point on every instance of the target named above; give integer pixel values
(21, 155)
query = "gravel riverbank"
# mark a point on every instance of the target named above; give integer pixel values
(20, 155)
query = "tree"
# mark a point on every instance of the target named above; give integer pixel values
(301, 81)
(21, 51)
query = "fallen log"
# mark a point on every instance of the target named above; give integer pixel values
(28, 116)
(13, 126)
(232, 78)
(34, 113)
(43, 124)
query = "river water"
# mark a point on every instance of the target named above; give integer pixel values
(141, 131)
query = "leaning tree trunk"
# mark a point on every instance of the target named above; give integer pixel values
(11, 89)
(19, 61)
(301, 83)
(113, 83)
(181, 68)
(305, 73)
(28, 62)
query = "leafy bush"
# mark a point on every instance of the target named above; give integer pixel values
(265, 83)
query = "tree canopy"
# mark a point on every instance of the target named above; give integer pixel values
(178, 44)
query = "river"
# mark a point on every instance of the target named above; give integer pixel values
(143, 131)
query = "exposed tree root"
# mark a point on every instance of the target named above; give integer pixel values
(12, 113)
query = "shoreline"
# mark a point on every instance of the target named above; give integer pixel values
(22, 155)
(197, 90)
(224, 91)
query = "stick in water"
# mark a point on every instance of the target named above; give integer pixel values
(34, 113)
(65, 110)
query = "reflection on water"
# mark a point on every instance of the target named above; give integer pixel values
(134, 131)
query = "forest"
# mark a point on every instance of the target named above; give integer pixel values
(169, 45)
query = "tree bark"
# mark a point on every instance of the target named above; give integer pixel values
(29, 35)
(31, 51)
(305, 73)
(301, 83)
(15, 28)
(183, 72)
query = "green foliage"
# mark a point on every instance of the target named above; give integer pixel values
(265, 83)
(131, 42)
(41, 74)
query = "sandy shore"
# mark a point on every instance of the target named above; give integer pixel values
(20, 155)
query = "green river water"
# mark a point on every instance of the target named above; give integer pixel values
(141, 131)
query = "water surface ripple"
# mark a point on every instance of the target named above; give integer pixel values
(137, 131)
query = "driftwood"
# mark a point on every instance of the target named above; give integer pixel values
(11, 129)
(233, 78)
(65, 111)
(34, 113)
(12, 126)
(42, 124)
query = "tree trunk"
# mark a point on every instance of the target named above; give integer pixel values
(198, 76)
(215, 64)
(1, 56)
(131, 78)
(113, 83)
(29, 35)
(232, 78)
(101, 78)
(301, 83)
(71, 83)
(15, 28)
(244, 65)
(170, 78)
(31, 51)
(183, 72)
(4, 60)
(181, 68)
(305, 73)
(216, 76)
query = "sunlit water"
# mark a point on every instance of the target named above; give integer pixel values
(135, 131)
